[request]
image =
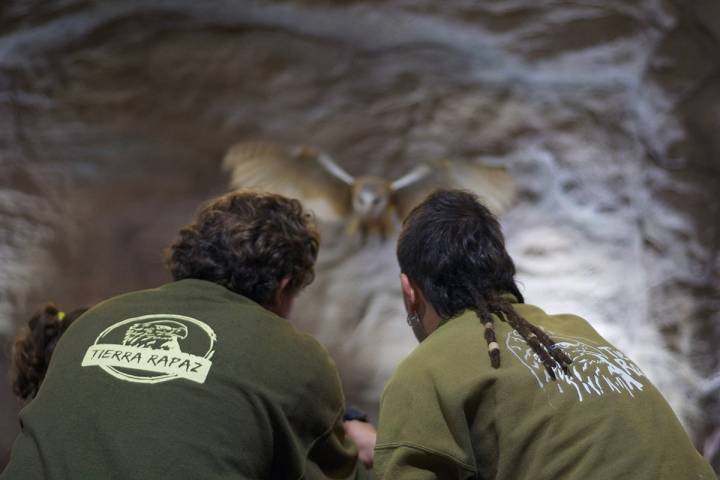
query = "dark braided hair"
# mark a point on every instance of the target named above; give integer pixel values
(453, 248)
(34, 346)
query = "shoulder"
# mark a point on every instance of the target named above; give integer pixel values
(299, 357)
(560, 322)
(450, 351)
(412, 377)
(415, 365)
(315, 357)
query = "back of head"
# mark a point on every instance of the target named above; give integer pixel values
(248, 242)
(453, 248)
(34, 346)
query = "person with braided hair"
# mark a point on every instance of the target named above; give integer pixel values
(498, 389)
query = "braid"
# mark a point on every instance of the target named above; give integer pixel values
(557, 353)
(550, 354)
(493, 347)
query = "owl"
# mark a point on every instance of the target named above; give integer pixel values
(370, 205)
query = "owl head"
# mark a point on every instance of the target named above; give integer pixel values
(370, 197)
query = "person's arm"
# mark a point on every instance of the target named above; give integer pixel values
(364, 435)
(420, 435)
(335, 454)
(330, 451)
(406, 462)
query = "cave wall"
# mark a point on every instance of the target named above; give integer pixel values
(115, 117)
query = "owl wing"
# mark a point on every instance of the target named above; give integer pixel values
(493, 184)
(297, 172)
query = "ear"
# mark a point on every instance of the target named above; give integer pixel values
(410, 296)
(282, 303)
(283, 284)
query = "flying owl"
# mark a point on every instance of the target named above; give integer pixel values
(370, 203)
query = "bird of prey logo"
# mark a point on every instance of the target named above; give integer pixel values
(146, 349)
(159, 335)
(596, 369)
(370, 203)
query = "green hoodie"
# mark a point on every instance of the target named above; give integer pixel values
(186, 381)
(446, 413)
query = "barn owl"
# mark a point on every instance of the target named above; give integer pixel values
(370, 203)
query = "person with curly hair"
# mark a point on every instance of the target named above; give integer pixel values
(33, 347)
(202, 377)
(499, 389)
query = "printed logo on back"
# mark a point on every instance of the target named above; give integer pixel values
(154, 348)
(596, 370)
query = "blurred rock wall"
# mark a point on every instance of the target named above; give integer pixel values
(114, 117)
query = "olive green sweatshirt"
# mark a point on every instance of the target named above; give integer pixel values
(186, 381)
(446, 413)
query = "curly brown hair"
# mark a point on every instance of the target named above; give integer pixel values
(248, 242)
(34, 346)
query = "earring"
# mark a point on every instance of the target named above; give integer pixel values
(413, 320)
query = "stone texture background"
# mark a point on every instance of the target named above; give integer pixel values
(114, 117)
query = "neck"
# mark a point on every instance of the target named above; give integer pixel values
(429, 318)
